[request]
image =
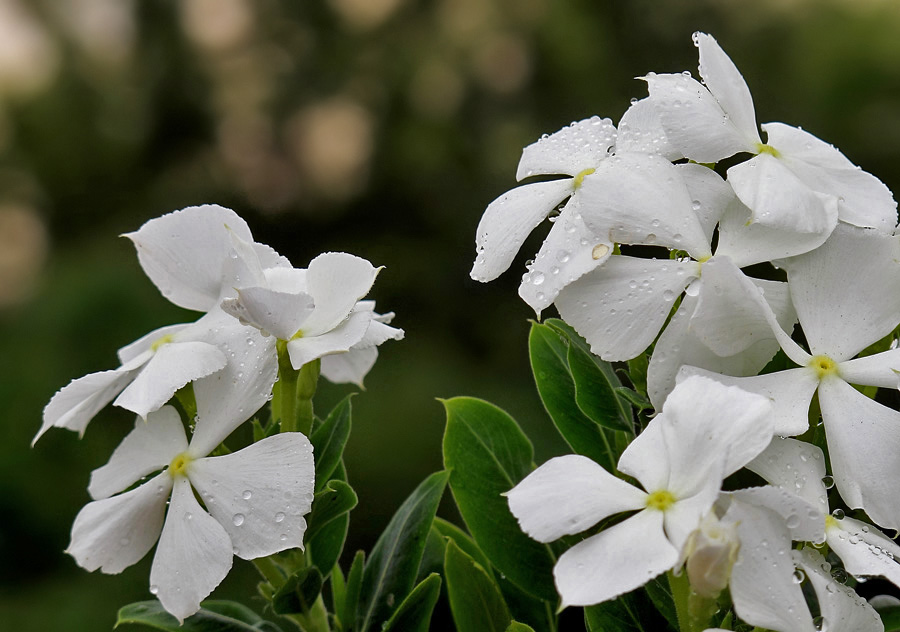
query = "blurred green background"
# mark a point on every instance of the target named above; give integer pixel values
(377, 127)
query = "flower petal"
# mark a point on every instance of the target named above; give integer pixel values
(132, 351)
(777, 198)
(184, 253)
(640, 130)
(277, 313)
(508, 220)
(881, 369)
(260, 494)
(603, 304)
(350, 367)
(151, 446)
(864, 448)
(847, 292)
(114, 533)
(567, 495)
(864, 550)
(573, 149)
(336, 281)
(338, 340)
(615, 561)
(804, 520)
(841, 607)
(193, 556)
(710, 195)
(796, 466)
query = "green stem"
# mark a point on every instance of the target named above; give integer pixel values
(694, 611)
(270, 572)
(287, 389)
(306, 388)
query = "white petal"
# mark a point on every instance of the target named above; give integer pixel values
(242, 268)
(184, 252)
(710, 195)
(336, 281)
(804, 520)
(172, 366)
(796, 466)
(864, 448)
(260, 494)
(508, 220)
(881, 369)
(567, 495)
(350, 367)
(289, 280)
(74, 405)
(790, 393)
(640, 130)
(278, 313)
(727, 85)
(684, 517)
(228, 398)
(379, 331)
(647, 459)
(777, 198)
(193, 556)
(864, 550)
(762, 580)
(847, 292)
(642, 199)
(620, 307)
(841, 607)
(863, 199)
(145, 343)
(151, 446)
(615, 561)
(114, 533)
(695, 123)
(338, 340)
(568, 253)
(573, 149)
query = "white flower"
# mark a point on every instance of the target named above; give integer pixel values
(254, 499)
(795, 181)
(709, 554)
(680, 459)
(186, 255)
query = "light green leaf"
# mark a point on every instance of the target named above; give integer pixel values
(475, 599)
(299, 592)
(329, 439)
(391, 570)
(214, 616)
(414, 614)
(487, 455)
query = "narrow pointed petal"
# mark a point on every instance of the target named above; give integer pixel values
(695, 123)
(796, 466)
(567, 495)
(114, 533)
(863, 200)
(193, 556)
(336, 281)
(864, 550)
(863, 445)
(568, 253)
(277, 313)
(74, 405)
(778, 199)
(603, 305)
(790, 393)
(868, 305)
(171, 367)
(573, 149)
(615, 561)
(339, 340)
(151, 446)
(640, 130)
(145, 343)
(260, 494)
(349, 368)
(804, 519)
(184, 253)
(841, 607)
(881, 369)
(710, 195)
(727, 85)
(642, 199)
(509, 219)
(762, 580)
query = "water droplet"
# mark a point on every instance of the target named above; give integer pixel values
(695, 205)
(238, 519)
(154, 589)
(247, 494)
(838, 514)
(793, 521)
(799, 576)
(537, 277)
(828, 482)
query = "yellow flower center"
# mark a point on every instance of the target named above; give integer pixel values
(579, 179)
(762, 148)
(823, 366)
(830, 521)
(660, 500)
(179, 465)
(159, 342)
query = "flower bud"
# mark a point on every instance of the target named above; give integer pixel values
(710, 552)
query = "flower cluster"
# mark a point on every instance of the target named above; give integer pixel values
(687, 178)
(262, 321)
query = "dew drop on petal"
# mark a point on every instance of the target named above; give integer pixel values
(238, 519)
(247, 494)
(279, 517)
(838, 514)
(154, 589)
(799, 576)
(828, 482)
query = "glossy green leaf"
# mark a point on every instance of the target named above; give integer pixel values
(475, 600)
(414, 614)
(632, 612)
(347, 613)
(299, 592)
(392, 566)
(515, 626)
(549, 351)
(329, 523)
(463, 540)
(526, 608)
(214, 616)
(338, 590)
(661, 595)
(433, 555)
(335, 499)
(487, 454)
(329, 439)
(890, 616)
(595, 395)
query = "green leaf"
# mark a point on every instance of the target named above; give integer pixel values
(329, 523)
(338, 590)
(595, 395)
(661, 595)
(549, 350)
(463, 540)
(515, 626)
(475, 599)
(632, 612)
(299, 592)
(637, 372)
(526, 608)
(433, 556)
(391, 570)
(634, 398)
(214, 616)
(414, 614)
(347, 614)
(329, 439)
(336, 499)
(890, 616)
(487, 455)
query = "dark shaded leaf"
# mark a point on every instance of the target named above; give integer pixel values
(214, 616)
(299, 592)
(329, 439)
(414, 614)
(475, 600)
